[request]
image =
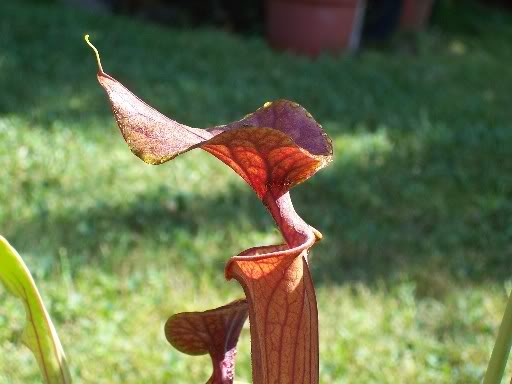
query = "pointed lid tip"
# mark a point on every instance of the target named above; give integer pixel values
(86, 38)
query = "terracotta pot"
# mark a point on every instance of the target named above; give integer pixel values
(415, 14)
(311, 27)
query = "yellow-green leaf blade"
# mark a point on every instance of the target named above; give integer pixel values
(39, 333)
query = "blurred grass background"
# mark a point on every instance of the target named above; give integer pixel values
(416, 209)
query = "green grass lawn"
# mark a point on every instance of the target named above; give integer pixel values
(416, 209)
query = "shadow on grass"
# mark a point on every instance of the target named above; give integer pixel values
(431, 199)
(48, 73)
(389, 206)
(434, 202)
(159, 226)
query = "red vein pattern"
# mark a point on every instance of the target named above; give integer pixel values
(273, 149)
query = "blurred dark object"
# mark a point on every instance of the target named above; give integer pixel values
(498, 3)
(415, 14)
(381, 20)
(238, 16)
(384, 17)
(310, 27)
(294, 23)
(96, 5)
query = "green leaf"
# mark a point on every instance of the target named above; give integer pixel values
(501, 350)
(39, 333)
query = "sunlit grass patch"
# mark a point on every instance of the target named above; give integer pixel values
(363, 147)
